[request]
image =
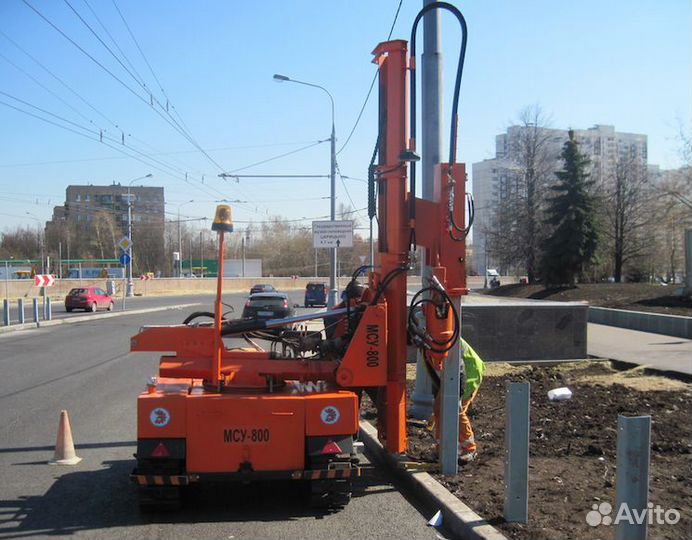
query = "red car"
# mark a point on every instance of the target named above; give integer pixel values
(88, 299)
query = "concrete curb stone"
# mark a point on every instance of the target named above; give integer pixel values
(458, 518)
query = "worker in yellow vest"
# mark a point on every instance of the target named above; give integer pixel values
(473, 376)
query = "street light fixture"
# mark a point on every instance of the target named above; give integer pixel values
(333, 293)
(130, 286)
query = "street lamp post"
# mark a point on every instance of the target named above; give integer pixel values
(180, 242)
(333, 293)
(130, 286)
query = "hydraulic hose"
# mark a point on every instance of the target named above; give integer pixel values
(455, 104)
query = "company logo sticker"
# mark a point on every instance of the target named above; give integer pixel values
(160, 417)
(330, 415)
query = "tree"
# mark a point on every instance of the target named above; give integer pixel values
(21, 243)
(104, 237)
(627, 212)
(517, 230)
(570, 213)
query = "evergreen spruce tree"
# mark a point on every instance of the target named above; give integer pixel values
(570, 212)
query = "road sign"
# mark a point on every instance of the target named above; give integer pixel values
(125, 259)
(44, 280)
(125, 243)
(331, 234)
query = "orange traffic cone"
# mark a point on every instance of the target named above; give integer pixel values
(64, 446)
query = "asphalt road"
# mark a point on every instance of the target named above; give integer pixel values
(86, 368)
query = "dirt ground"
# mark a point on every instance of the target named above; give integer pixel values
(572, 447)
(632, 296)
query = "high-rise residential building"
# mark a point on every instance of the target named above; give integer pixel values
(493, 178)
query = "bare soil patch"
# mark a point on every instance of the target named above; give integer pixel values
(572, 447)
(630, 296)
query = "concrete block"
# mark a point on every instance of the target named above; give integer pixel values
(526, 330)
(657, 323)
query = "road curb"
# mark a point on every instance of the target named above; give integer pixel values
(458, 518)
(88, 318)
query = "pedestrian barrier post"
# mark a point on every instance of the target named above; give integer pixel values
(632, 477)
(516, 508)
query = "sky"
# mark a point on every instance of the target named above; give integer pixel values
(210, 64)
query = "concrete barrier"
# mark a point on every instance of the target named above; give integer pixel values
(161, 286)
(526, 330)
(656, 323)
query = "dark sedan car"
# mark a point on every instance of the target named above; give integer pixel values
(262, 287)
(270, 305)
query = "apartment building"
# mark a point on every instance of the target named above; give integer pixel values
(493, 178)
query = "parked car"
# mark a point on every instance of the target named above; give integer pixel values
(270, 305)
(493, 278)
(262, 287)
(88, 299)
(316, 293)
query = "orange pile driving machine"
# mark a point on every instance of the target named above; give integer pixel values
(222, 412)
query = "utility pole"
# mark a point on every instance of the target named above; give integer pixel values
(130, 286)
(333, 292)
(180, 248)
(422, 398)
(242, 271)
(130, 290)
(180, 242)
(201, 258)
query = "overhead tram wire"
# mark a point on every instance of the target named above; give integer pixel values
(82, 99)
(89, 130)
(353, 205)
(311, 145)
(39, 83)
(117, 147)
(83, 160)
(125, 85)
(132, 67)
(117, 59)
(226, 175)
(151, 69)
(372, 84)
(142, 84)
(184, 126)
(181, 130)
(79, 96)
(170, 121)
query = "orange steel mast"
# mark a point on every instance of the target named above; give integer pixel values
(218, 315)
(394, 230)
